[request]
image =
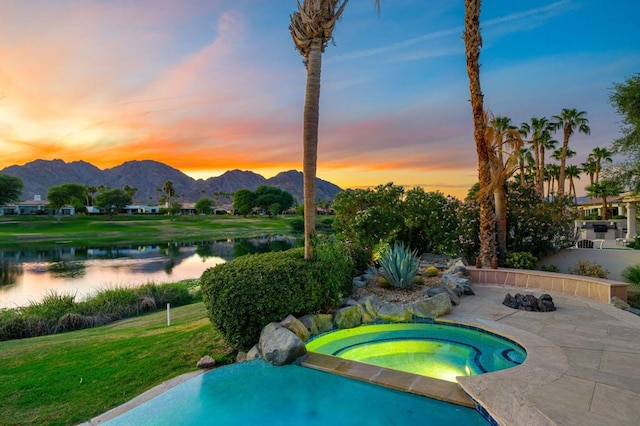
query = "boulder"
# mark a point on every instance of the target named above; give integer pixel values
(348, 317)
(280, 346)
(360, 281)
(619, 303)
(295, 325)
(206, 362)
(324, 322)
(529, 302)
(394, 313)
(432, 307)
(434, 291)
(253, 353)
(369, 308)
(310, 324)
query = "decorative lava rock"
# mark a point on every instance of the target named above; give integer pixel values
(529, 302)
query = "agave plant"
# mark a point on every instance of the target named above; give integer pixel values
(400, 265)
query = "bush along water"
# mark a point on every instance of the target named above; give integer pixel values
(246, 294)
(58, 313)
(399, 265)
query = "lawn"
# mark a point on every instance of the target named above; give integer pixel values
(68, 378)
(90, 230)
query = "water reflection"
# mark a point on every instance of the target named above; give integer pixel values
(26, 275)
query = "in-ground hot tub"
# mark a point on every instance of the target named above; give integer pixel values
(440, 350)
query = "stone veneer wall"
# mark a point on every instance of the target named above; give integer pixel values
(574, 285)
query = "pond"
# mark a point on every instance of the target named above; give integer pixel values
(27, 275)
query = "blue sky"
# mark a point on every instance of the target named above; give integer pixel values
(208, 86)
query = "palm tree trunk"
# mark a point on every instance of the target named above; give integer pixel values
(310, 143)
(500, 201)
(473, 43)
(540, 171)
(563, 158)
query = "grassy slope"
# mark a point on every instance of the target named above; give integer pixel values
(69, 378)
(24, 230)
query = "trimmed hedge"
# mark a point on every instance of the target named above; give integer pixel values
(246, 294)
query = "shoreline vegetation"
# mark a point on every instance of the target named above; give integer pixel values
(25, 231)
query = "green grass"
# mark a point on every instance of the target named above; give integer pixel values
(98, 230)
(69, 378)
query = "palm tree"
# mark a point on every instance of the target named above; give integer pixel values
(540, 130)
(573, 172)
(311, 29)
(551, 174)
(603, 189)
(526, 163)
(168, 192)
(557, 154)
(473, 42)
(600, 155)
(589, 167)
(569, 120)
(505, 140)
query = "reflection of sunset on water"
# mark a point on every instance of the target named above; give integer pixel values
(27, 275)
(37, 280)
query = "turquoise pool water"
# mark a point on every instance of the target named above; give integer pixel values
(258, 393)
(439, 350)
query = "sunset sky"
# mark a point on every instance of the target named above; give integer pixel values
(212, 85)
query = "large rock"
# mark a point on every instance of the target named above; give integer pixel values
(254, 353)
(369, 308)
(394, 313)
(324, 322)
(280, 346)
(619, 303)
(310, 324)
(529, 302)
(206, 362)
(432, 307)
(295, 325)
(348, 317)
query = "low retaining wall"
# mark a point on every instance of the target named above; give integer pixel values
(574, 285)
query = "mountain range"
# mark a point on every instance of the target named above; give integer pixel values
(149, 176)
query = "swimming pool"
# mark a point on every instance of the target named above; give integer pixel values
(256, 392)
(439, 350)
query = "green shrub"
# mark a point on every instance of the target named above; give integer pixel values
(400, 265)
(521, 260)
(631, 275)
(549, 268)
(297, 224)
(244, 295)
(587, 269)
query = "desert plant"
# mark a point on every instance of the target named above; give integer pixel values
(399, 265)
(587, 269)
(631, 275)
(431, 271)
(521, 260)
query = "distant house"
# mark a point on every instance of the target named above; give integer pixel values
(141, 209)
(31, 207)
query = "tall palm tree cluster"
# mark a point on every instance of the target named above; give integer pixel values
(537, 134)
(500, 146)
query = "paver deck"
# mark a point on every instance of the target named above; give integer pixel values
(582, 366)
